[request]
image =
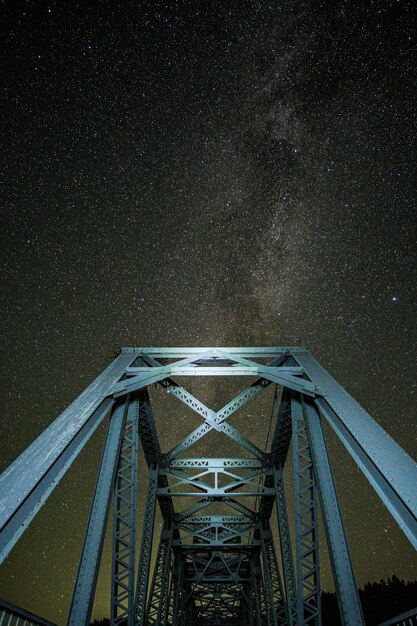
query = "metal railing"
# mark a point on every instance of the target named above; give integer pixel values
(405, 619)
(11, 615)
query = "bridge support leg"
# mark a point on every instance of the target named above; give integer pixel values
(346, 590)
(375, 452)
(27, 483)
(124, 525)
(188, 606)
(245, 606)
(306, 523)
(178, 591)
(146, 547)
(82, 601)
(256, 593)
(275, 605)
(158, 600)
(286, 550)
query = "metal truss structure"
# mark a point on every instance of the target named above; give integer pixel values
(220, 558)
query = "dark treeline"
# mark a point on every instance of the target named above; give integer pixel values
(380, 601)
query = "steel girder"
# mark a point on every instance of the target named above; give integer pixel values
(260, 589)
(177, 595)
(346, 589)
(217, 566)
(124, 524)
(277, 614)
(279, 449)
(146, 548)
(306, 523)
(217, 604)
(229, 526)
(215, 420)
(256, 596)
(27, 483)
(147, 429)
(242, 483)
(388, 468)
(82, 600)
(159, 597)
(285, 546)
(208, 569)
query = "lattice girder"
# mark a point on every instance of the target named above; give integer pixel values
(213, 568)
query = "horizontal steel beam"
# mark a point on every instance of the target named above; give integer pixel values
(154, 374)
(218, 520)
(207, 579)
(249, 352)
(215, 493)
(226, 544)
(230, 547)
(182, 479)
(194, 370)
(215, 463)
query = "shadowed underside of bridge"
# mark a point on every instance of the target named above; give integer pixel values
(219, 559)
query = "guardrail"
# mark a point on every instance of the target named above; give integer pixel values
(11, 615)
(405, 619)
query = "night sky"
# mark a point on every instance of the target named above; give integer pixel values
(213, 173)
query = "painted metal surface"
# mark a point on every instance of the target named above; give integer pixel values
(390, 470)
(285, 546)
(158, 599)
(83, 597)
(274, 594)
(146, 548)
(22, 477)
(208, 569)
(24, 514)
(248, 352)
(124, 523)
(346, 588)
(306, 522)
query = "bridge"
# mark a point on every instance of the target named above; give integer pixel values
(219, 561)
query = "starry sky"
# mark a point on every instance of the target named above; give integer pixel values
(204, 173)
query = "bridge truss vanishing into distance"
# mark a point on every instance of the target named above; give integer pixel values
(219, 558)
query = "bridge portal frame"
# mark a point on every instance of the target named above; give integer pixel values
(210, 568)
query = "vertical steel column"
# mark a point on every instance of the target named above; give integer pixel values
(285, 543)
(275, 606)
(82, 600)
(255, 575)
(146, 547)
(171, 592)
(260, 590)
(306, 524)
(178, 591)
(124, 524)
(188, 606)
(346, 590)
(158, 600)
(245, 606)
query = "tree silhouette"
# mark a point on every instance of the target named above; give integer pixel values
(380, 601)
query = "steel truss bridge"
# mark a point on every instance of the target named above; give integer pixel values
(229, 568)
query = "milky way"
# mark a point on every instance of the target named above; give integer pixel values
(204, 174)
